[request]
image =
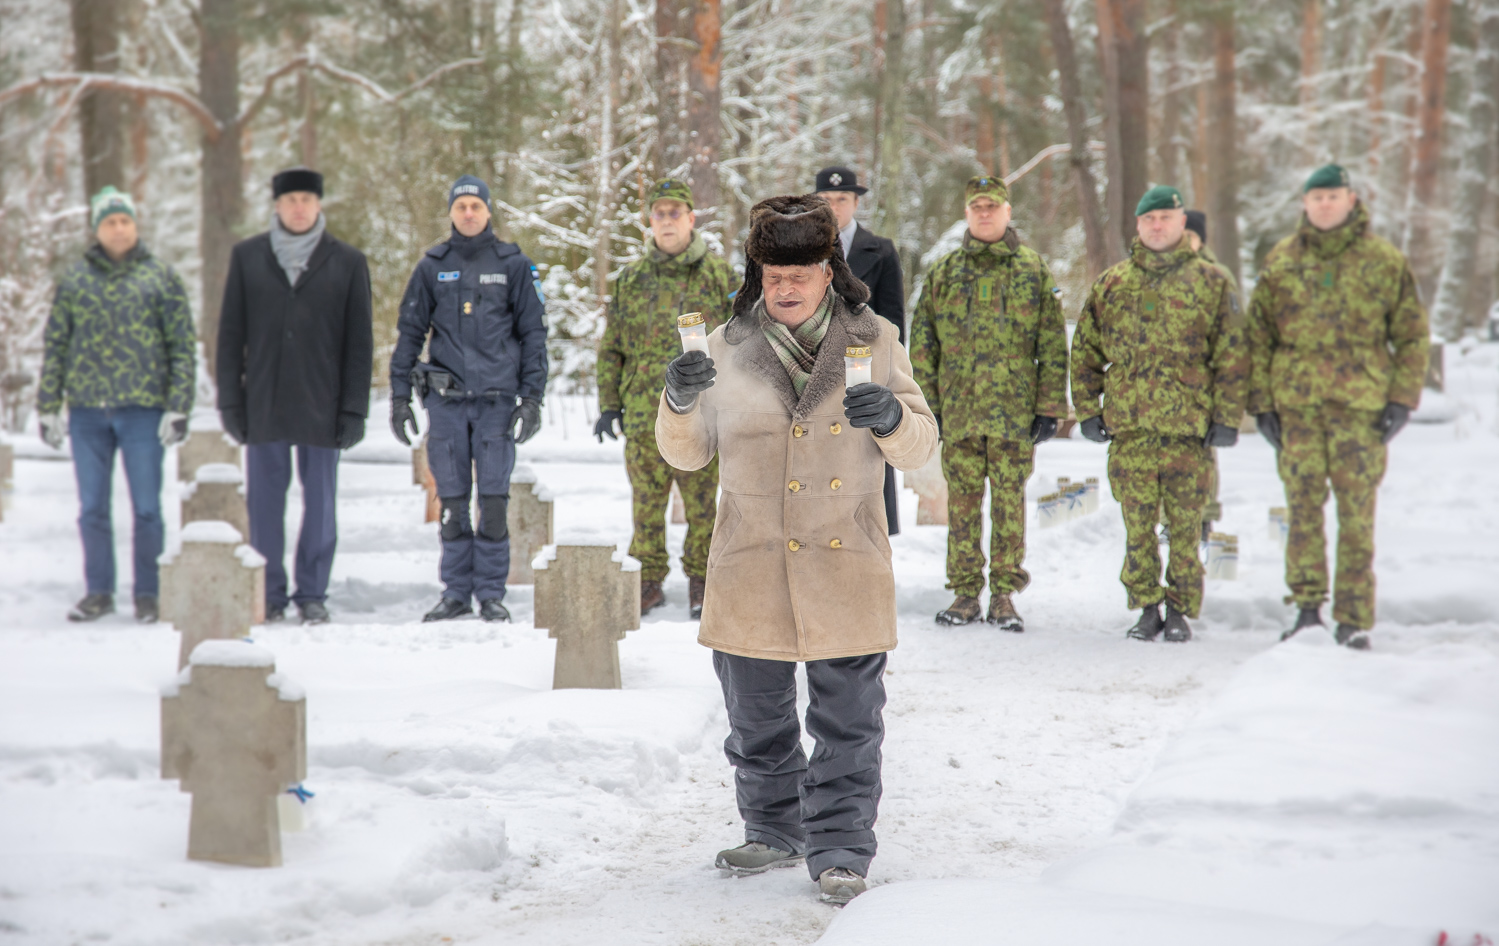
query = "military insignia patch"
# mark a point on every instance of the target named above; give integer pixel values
(835, 179)
(448, 277)
(986, 290)
(1152, 299)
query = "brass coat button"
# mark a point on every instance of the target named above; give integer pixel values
(797, 431)
(794, 545)
(836, 429)
(836, 543)
(794, 486)
(468, 308)
(837, 483)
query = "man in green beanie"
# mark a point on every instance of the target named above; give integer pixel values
(1339, 346)
(989, 350)
(677, 274)
(1160, 342)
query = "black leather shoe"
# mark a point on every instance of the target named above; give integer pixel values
(313, 612)
(1308, 617)
(1178, 631)
(92, 608)
(275, 615)
(447, 609)
(493, 610)
(1150, 625)
(146, 609)
(1353, 638)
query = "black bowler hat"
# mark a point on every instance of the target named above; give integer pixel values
(839, 179)
(297, 179)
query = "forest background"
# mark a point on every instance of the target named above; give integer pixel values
(571, 108)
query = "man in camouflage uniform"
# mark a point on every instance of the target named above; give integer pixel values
(678, 274)
(989, 349)
(1160, 340)
(1339, 347)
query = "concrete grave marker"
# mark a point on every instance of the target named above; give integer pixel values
(217, 493)
(588, 596)
(529, 518)
(931, 489)
(235, 733)
(212, 586)
(678, 510)
(202, 447)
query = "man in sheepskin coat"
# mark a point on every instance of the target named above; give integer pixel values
(799, 568)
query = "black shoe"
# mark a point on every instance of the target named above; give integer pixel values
(493, 610)
(447, 609)
(697, 588)
(92, 608)
(1150, 625)
(1309, 617)
(147, 610)
(1353, 638)
(1178, 631)
(275, 615)
(313, 612)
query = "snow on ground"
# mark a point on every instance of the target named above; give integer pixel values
(1065, 785)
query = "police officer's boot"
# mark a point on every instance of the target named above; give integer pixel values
(1353, 638)
(696, 588)
(493, 610)
(446, 610)
(1309, 617)
(964, 609)
(1002, 612)
(651, 596)
(1150, 625)
(1178, 631)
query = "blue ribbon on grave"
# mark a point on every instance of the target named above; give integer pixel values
(302, 792)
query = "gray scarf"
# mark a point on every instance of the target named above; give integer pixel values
(293, 249)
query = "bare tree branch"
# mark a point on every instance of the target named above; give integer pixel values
(116, 83)
(248, 113)
(378, 91)
(1045, 153)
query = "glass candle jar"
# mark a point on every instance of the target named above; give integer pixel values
(694, 331)
(858, 366)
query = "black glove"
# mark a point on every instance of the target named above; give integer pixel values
(1094, 430)
(528, 418)
(1043, 429)
(402, 418)
(939, 425)
(689, 374)
(350, 429)
(1391, 419)
(1221, 435)
(606, 425)
(1269, 425)
(235, 424)
(874, 406)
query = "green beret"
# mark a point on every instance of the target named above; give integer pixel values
(671, 189)
(109, 201)
(1160, 197)
(1328, 175)
(986, 186)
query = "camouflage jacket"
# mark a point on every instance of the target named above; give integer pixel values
(1335, 317)
(989, 342)
(1160, 339)
(640, 334)
(1211, 258)
(120, 334)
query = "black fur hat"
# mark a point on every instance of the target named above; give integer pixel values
(794, 231)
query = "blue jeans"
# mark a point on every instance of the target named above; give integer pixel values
(96, 432)
(269, 469)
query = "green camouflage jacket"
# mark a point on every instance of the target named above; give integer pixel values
(1160, 339)
(640, 334)
(1335, 317)
(1211, 258)
(989, 342)
(120, 334)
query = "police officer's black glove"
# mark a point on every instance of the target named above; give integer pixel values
(1221, 435)
(1391, 419)
(1043, 429)
(689, 374)
(528, 417)
(401, 418)
(873, 406)
(350, 429)
(611, 423)
(1094, 429)
(235, 424)
(1269, 425)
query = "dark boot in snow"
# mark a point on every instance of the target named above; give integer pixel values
(1178, 631)
(1002, 612)
(313, 612)
(696, 588)
(92, 608)
(839, 885)
(275, 615)
(447, 609)
(494, 610)
(1353, 638)
(1148, 628)
(1309, 617)
(755, 858)
(965, 609)
(146, 609)
(651, 596)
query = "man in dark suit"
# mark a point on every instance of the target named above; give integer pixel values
(875, 264)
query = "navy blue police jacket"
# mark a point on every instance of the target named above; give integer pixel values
(480, 300)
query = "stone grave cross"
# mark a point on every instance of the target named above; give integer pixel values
(587, 596)
(212, 586)
(529, 519)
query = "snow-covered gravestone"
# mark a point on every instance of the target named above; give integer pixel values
(587, 596)
(212, 586)
(931, 491)
(202, 447)
(235, 733)
(217, 492)
(529, 519)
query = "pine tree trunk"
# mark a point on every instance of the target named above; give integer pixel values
(1171, 104)
(1077, 137)
(670, 150)
(891, 141)
(1113, 149)
(704, 103)
(1436, 29)
(1131, 58)
(96, 48)
(223, 164)
(609, 71)
(1311, 69)
(1222, 150)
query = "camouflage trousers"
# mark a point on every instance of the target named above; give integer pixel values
(1339, 445)
(1006, 464)
(1212, 510)
(1149, 474)
(650, 488)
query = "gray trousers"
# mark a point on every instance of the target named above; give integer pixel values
(825, 809)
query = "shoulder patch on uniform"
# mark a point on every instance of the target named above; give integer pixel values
(486, 279)
(448, 277)
(536, 284)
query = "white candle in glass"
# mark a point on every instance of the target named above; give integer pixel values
(694, 331)
(857, 366)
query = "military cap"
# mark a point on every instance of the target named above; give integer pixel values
(109, 201)
(1328, 175)
(671, 189)
(986, 185)
(1160, 197)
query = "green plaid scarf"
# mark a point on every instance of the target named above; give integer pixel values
(797, 348)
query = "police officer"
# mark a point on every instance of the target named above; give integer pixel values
(480, 300)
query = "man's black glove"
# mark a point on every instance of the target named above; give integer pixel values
(528, 417)
(874, 406)
(607, 425)
(402, 418)
(1269, 425)
(1221, 435)
(1391, 419)
(235, 424)
(350, 429)
(689, 374)
(1043, 429)
(1094, 430)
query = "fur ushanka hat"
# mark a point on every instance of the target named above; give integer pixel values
(794, 231)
